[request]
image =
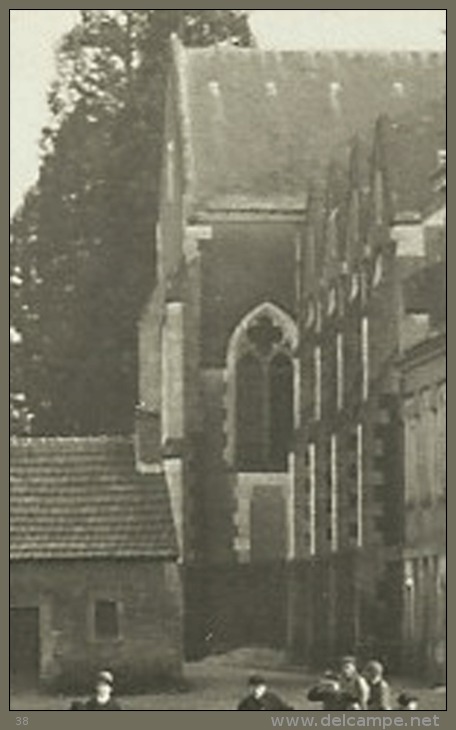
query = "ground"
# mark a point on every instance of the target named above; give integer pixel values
(217, 683)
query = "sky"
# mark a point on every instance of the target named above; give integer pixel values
(34, 36)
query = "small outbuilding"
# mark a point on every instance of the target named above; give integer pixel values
(94, 579)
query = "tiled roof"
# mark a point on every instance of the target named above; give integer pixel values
(258, 124)
(81, 498)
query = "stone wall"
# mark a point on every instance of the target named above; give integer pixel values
(148, 650)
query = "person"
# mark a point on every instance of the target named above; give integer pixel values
(353, 685)
(102, 698)
(328, 692)
(407, 701)
(77, 705)
(261, 698)
(379, 691)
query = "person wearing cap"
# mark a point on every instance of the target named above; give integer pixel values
(353, 685)
(102, 698)
(261, 698)
(379, 691)
(407, 701)
(328, 692)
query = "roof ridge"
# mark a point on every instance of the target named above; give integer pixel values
(64, 440)
(410, 55)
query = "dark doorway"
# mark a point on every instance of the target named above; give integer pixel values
(24, 647)
(268, 527)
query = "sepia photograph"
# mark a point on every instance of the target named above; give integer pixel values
(227, 344)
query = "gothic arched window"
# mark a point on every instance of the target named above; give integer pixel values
(263, 391)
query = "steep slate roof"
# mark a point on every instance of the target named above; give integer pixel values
(413, 141)
(406, 148)
(81, 498)
(257, 124)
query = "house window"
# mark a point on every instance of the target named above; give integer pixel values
(365, 356)
(264, 378)
(411, 470)
(106, 619)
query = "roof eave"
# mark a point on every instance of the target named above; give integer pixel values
(43, 556)
(243, 207)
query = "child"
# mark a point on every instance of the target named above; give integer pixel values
(379, 694)
(260, 697)
(353, 685)
(102, 698)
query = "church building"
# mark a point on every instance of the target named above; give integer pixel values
(254, 375)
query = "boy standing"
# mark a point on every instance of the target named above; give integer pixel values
(353, 685)
(379, 695)
(102, 698)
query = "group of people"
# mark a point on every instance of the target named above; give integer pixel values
(353, 690)
(348, 689)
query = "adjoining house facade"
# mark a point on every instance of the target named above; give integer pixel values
(373, 283)
(268, 349)
(423, 386)
(94, 581)
(424, 553)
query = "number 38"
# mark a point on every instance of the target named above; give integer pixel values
(21, 720)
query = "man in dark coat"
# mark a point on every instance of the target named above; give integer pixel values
(102, 698)
(328, 692)
(260, 698)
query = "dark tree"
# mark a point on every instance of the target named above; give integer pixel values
(87, 233)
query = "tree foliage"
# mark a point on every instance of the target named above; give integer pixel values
(82, 244)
